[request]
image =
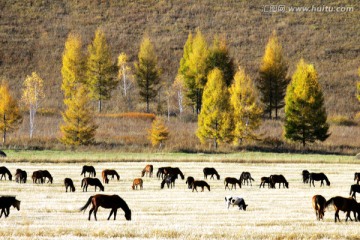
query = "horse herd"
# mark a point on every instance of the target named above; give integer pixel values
(168, 175)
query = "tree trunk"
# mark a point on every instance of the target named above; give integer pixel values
(99, 105)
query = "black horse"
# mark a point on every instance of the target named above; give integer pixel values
(346, 205)
(69, 184)
(354, 189)
(6, 202)
(246, 176)
(357, 177)
(305, 175)
(88, 169)
(20, 176)
(162, 172)
(91, 181)
(189, 181)
(169, 180)
(174, 171)
(264, 180)
(278, 179)
(318, 177)
(3, 171)
(211, 171)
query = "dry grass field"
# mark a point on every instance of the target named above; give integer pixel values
(47, 212)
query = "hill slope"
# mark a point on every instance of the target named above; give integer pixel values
(32, 36)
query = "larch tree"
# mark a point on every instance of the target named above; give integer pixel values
(73, 65)
(273, 80)
(78, 127)
(214, 120)
(126, 78)
(33, 93)
(10, 115)
(158, 133)
(147, 73)
(101, 71)
(245, 107)
(305, 113)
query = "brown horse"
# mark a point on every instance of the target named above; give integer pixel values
(318, 203)
(6, 202)
(200, 183)
(37, 176)
(109, 172)
(174, 171)
(232, 181)
(20, 176)
(3, 171)
(354, 189)
(88, 169)
(246, 176)
(189, 181)
(357, 177)
(278, 179)
(318, 177)
(264, 180)
(107, 201)
(346, 205)
(69, 184)
(148, 170)
(211, 171)
(137, 182)
(91, 181)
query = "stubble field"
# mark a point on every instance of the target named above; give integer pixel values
(47, 212)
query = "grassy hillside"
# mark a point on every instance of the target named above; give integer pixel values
(32, 36)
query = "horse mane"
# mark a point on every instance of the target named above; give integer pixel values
(329, 202)
(181, 174)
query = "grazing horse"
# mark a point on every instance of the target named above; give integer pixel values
(6, 202)
(189, 181)
(318, 203)
(20, 176)
(89, 169)
(305, 175)
(264, 180)
(169, 180)
(232, 181)
(200, 183)
(137, 182)
(174, 171)
(161, 172)
(38, 176)
(46, 174)
(3, 171)
(148, 170)
(318, 177)
(357, 177)
(238, 201)
(354, 189)
(246, 176)
(346, 205)
(107, 201)
(212, 172)
(91, 181)
(278, 179)
(110, 172)
(2, 154)
(69, 184)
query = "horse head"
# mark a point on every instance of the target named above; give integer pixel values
(16, 204)
(128, 215)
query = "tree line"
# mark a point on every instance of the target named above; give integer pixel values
(229, 104)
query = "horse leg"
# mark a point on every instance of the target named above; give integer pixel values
(111, 212)
(95, 211)
(90, 212)
(115, 212)
(337, 215)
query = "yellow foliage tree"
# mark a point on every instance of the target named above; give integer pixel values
(33, 93)
(79, 127)
(10, 115)
(125, 77)
(158, 132)
(245, 107)
(214, 121)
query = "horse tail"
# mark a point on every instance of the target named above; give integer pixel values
(329, 202)
(82, 182)
(87, 204)
(351, 190)
(94, 173)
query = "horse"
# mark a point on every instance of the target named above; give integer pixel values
(240, 202)
(148, 170)
(89, 169)
(212, 172)
(232, 181)
(161, 172)
(107, 201)
(357, 177)
(110, 172)
(200, 183)
(246, 176)
(354, 189)
(3, 171)
(2, 154)
(264, 180)
(305, 175)
(137, 182)
(318, 203)
(91, 181)
(189, 181)
(20, 176)
(169, 180)
(174, 171)
(6, 202)
(278, 179)
(69, 184)
(346, 205)
(46, 174)
(37, 176)
(318, 177)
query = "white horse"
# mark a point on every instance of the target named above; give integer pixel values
(238, 201)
